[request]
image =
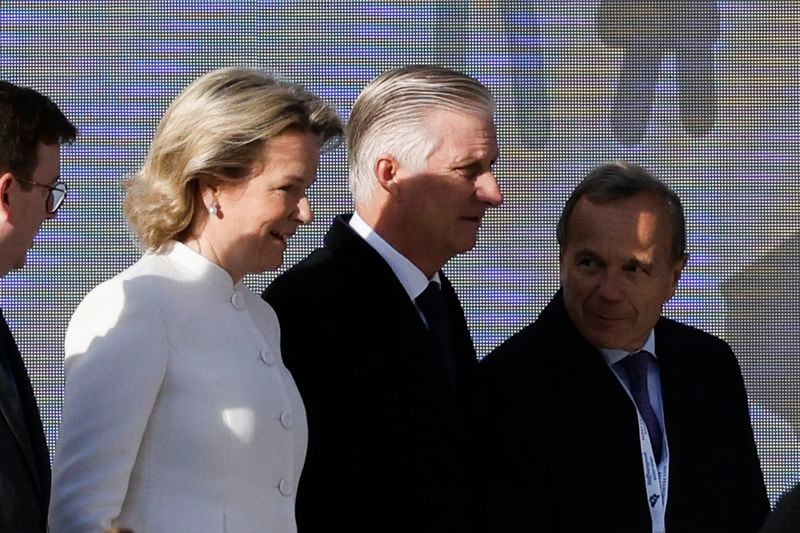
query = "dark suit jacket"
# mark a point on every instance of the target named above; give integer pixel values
(571, 438)
(391, 445)
(786, 518)
(24, 459)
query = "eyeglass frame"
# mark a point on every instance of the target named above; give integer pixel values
(59, 186)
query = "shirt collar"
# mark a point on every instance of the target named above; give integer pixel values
(200, 266)
(411, 278)
(615, 356)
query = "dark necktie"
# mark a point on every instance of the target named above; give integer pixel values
(635, 366)
(432, 306)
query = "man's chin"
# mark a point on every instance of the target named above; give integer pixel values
(20, 263)
(468, 242)
(605, 340)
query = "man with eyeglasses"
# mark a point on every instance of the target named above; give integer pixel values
(32, 129)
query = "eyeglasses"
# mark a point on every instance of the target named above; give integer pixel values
(58, 191)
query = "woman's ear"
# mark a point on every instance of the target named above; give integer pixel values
(208, 195)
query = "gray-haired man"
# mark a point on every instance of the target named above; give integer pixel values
(372, 330)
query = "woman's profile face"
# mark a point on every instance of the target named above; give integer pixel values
(258, 215)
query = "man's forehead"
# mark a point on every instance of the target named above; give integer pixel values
(592, 233)
(465, 131)
(448, 116)
(48, 151)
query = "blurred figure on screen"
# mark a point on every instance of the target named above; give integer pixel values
(389, 375)
(613, 417)
(178, 412)
(32, 129)
(648, 31)
(763, 321)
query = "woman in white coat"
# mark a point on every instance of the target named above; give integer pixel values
(178, 412)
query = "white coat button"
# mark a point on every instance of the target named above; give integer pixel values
(286, 419)
(238, 300)
(267, 357)
(285, 487)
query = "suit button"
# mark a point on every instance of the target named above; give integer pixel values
(285, 487)
(286, 419)
(238, 300)
(267, 358)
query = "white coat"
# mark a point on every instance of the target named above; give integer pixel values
(178, 412)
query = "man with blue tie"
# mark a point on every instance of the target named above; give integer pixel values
(32, 129)
(613, 418)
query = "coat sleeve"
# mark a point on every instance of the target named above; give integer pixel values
(116, 350)
(786, 515)
(521, 493)
(752, 503)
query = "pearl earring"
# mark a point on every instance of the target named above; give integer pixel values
(213, 209)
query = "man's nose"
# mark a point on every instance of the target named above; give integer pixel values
(488, 189)
(610, 287)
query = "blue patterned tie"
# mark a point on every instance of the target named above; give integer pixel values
(635, 366)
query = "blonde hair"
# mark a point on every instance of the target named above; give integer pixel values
(213, 132)
(389, 118)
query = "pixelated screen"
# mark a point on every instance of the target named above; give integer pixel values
(705, 96)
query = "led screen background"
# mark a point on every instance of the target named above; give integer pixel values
(711, 106)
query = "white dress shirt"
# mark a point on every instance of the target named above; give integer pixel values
(411, 278)
(611, 357)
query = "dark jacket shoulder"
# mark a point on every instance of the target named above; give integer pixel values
(539, 344)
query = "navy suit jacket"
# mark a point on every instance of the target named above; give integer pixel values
(24, 459)
(569, 434)
(392, 446)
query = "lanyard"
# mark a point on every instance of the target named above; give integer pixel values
(655, 478)
(655, 474)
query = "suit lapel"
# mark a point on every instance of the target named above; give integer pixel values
(11, 396)
(584, 365)
(467, 392)
(389, 295)
(678, 395)
(680, 408)
(609, 412)
(597, 418)
(391, 302)
(376, 278)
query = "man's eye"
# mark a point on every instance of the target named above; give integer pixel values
(636, 269)
(468, 171)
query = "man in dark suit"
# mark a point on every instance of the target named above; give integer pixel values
(614, 418)
(372, 330)
(32, 129)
